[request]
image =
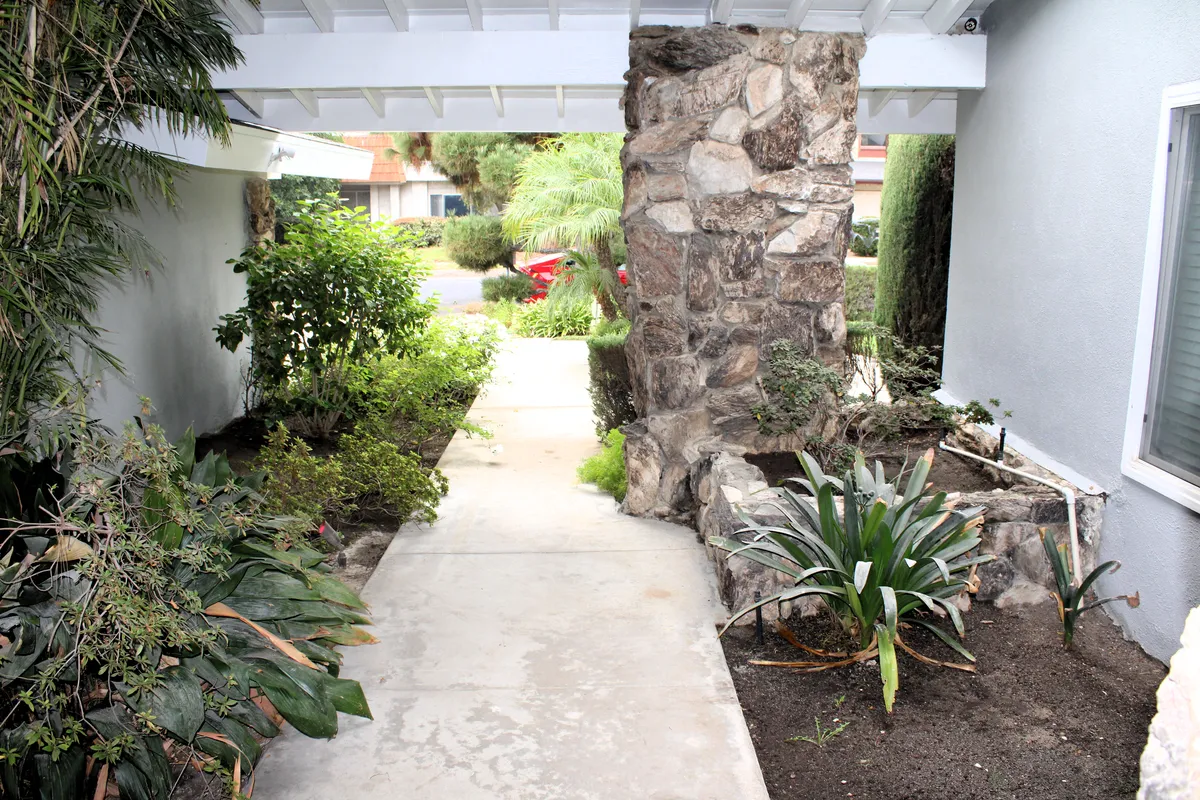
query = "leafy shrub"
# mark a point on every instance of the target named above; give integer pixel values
(382, 477)
(159, 620)
(425, 395)
(611, 327)
(860, 293)
(551, 321)
(516, 286)
(477, 243)
(298, 483)
(337, 291)
(864, 237)
(914, 240)
(584, 276)
(506, 312)
(883, 557)
(606, 469)
(1072, 599)
(609, 382)
(289, 191)
(796, 384)
(367, 473)
(422, 231)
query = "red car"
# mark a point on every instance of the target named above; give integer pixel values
(544, 270)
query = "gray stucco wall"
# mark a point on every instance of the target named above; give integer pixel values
(160, 324)
(1052, 198)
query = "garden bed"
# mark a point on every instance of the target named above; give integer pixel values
(950, 473)
(1034, 722)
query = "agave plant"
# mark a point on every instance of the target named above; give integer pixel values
(883, 556)
(1072, 599)
(154, 619)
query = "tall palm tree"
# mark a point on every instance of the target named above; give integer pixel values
(569, 194)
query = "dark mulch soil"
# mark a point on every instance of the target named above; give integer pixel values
(950, 473)
(1035, 722)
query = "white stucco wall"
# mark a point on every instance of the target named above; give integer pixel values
(1055, 161)
(161, 325)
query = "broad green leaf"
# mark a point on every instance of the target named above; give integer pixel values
(61, 778)
(347, 696)
(888, 668)
(177, 702)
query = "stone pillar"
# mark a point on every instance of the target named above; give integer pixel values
(737, 216)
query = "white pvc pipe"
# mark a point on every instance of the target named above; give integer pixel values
(1068, 496)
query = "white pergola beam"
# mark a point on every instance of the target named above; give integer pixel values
(552, 8)
(796, 12)
(877, 101)
(944, 13)
(308, 99)
(376, 101)
(917, 101)
(543, 58)
(497, 101)
(321, 13)
(251, 101)
(398, 11)
(875, 13)
(635, 13)
(245, 17)
(436, 101)
(475, 12)
(521, 113)
(561, 97)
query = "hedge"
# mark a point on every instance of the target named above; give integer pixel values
(860, 293)
(516, 287)
(914, 239)
(477, 242)
(426, 231)
(612, 394)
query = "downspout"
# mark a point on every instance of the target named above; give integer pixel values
(1067, 494)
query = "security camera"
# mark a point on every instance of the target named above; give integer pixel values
(970, 25)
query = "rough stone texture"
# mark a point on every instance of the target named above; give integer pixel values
(1171, 760)
(260, 210)
(737, 149)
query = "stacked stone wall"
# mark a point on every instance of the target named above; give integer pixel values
(737, 214)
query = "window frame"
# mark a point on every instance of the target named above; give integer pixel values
(1177, 100)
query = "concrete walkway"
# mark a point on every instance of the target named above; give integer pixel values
(534, 643)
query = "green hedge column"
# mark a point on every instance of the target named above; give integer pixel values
(914, 238)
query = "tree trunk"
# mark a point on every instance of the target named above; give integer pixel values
(620, 297)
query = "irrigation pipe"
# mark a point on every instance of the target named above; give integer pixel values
(1068, 496)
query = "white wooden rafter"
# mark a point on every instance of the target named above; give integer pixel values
(321, 13)
(721, 11)
(943, 14)
(475, 12)
(561, 97)
(436, 101)
(251, 101)
(796, 12)
(376, 100)
(552, 9)
(874, 14)
(877, 101)
(497, 100)
(308, 99)
(398, 11)
(244, 17)
(917, 102)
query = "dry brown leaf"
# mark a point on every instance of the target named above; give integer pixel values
(101, 783)
(286, 647)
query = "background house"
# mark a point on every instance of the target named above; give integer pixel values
(868, 174)
(396, 188)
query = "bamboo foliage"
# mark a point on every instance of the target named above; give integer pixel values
(73, 76)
